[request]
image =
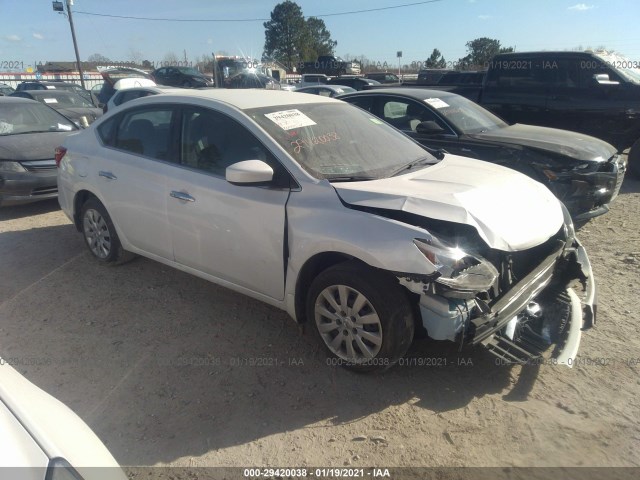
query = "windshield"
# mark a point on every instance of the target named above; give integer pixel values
(17, 118)
(465, 115)
(64, 100)
(337, 140)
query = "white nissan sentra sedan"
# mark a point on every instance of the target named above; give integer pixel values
(327, 212)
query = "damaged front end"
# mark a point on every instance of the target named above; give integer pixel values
(588, 188)
(522, 306)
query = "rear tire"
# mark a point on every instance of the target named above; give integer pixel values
(361, 315)
(100, 234)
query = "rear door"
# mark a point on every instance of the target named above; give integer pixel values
(131, 175)
(232, 232)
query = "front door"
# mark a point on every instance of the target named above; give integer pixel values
(233, 232)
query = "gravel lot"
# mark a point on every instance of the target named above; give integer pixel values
(169, 369)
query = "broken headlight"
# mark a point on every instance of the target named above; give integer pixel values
(458, 269)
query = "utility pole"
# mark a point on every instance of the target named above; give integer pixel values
(57, 7)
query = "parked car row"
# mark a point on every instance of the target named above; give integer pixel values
(592, 93)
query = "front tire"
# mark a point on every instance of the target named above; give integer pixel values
(100, 234)
(361, 315)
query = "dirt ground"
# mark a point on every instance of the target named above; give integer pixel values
(169, 369)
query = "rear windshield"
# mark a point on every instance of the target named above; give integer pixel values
(64, 100)
(19, 118)
(334, 140)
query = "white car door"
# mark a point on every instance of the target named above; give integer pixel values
(235, 233)
(132, 176)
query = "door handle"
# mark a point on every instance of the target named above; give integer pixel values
(182, 196)
(107, 175)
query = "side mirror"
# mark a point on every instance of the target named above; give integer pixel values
(249, 172)
(603, 79)
(429, 127)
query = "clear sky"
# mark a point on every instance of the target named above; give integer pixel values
(30, 31)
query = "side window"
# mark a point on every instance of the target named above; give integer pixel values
(211, 141)
(407, 115)
(366, 103)
(125, 97)
(107, 131)
(162, 72)
(584, 71)
(394, 109)
(518, 73)
(146, 132)
(323, 92)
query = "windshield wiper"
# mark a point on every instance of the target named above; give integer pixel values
(30, 131)
(350, 178)
(414, 163)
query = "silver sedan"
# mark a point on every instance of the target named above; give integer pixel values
(327, 212)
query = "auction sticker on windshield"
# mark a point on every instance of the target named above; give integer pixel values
(437, 102)
(50, 100)
(288, 119)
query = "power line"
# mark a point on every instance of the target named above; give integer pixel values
(404, 5)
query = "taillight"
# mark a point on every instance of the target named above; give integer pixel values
(60, 151)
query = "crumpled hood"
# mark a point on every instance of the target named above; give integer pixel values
(31, 146)
(510, 211)
(564, 142)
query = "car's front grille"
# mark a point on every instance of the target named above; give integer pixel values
(514, 266)
(39, 165)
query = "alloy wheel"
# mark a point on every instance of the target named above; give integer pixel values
(348, 323)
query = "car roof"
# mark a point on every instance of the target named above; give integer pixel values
(323, 85)
(250, 98)
(545, 54)
(50, 82)
(415, 93)
(51, 92)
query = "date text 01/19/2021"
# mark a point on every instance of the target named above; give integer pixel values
(330, 472)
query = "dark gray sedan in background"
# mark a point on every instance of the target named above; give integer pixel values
(29, 135)
(584, 172)
(69, 104)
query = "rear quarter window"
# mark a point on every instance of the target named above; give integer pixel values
(106, 131)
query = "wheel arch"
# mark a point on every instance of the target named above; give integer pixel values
(320, 262)
(80, 199)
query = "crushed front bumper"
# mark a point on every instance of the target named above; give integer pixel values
(489, 328)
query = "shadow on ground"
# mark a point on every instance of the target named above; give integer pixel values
(164, 365)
